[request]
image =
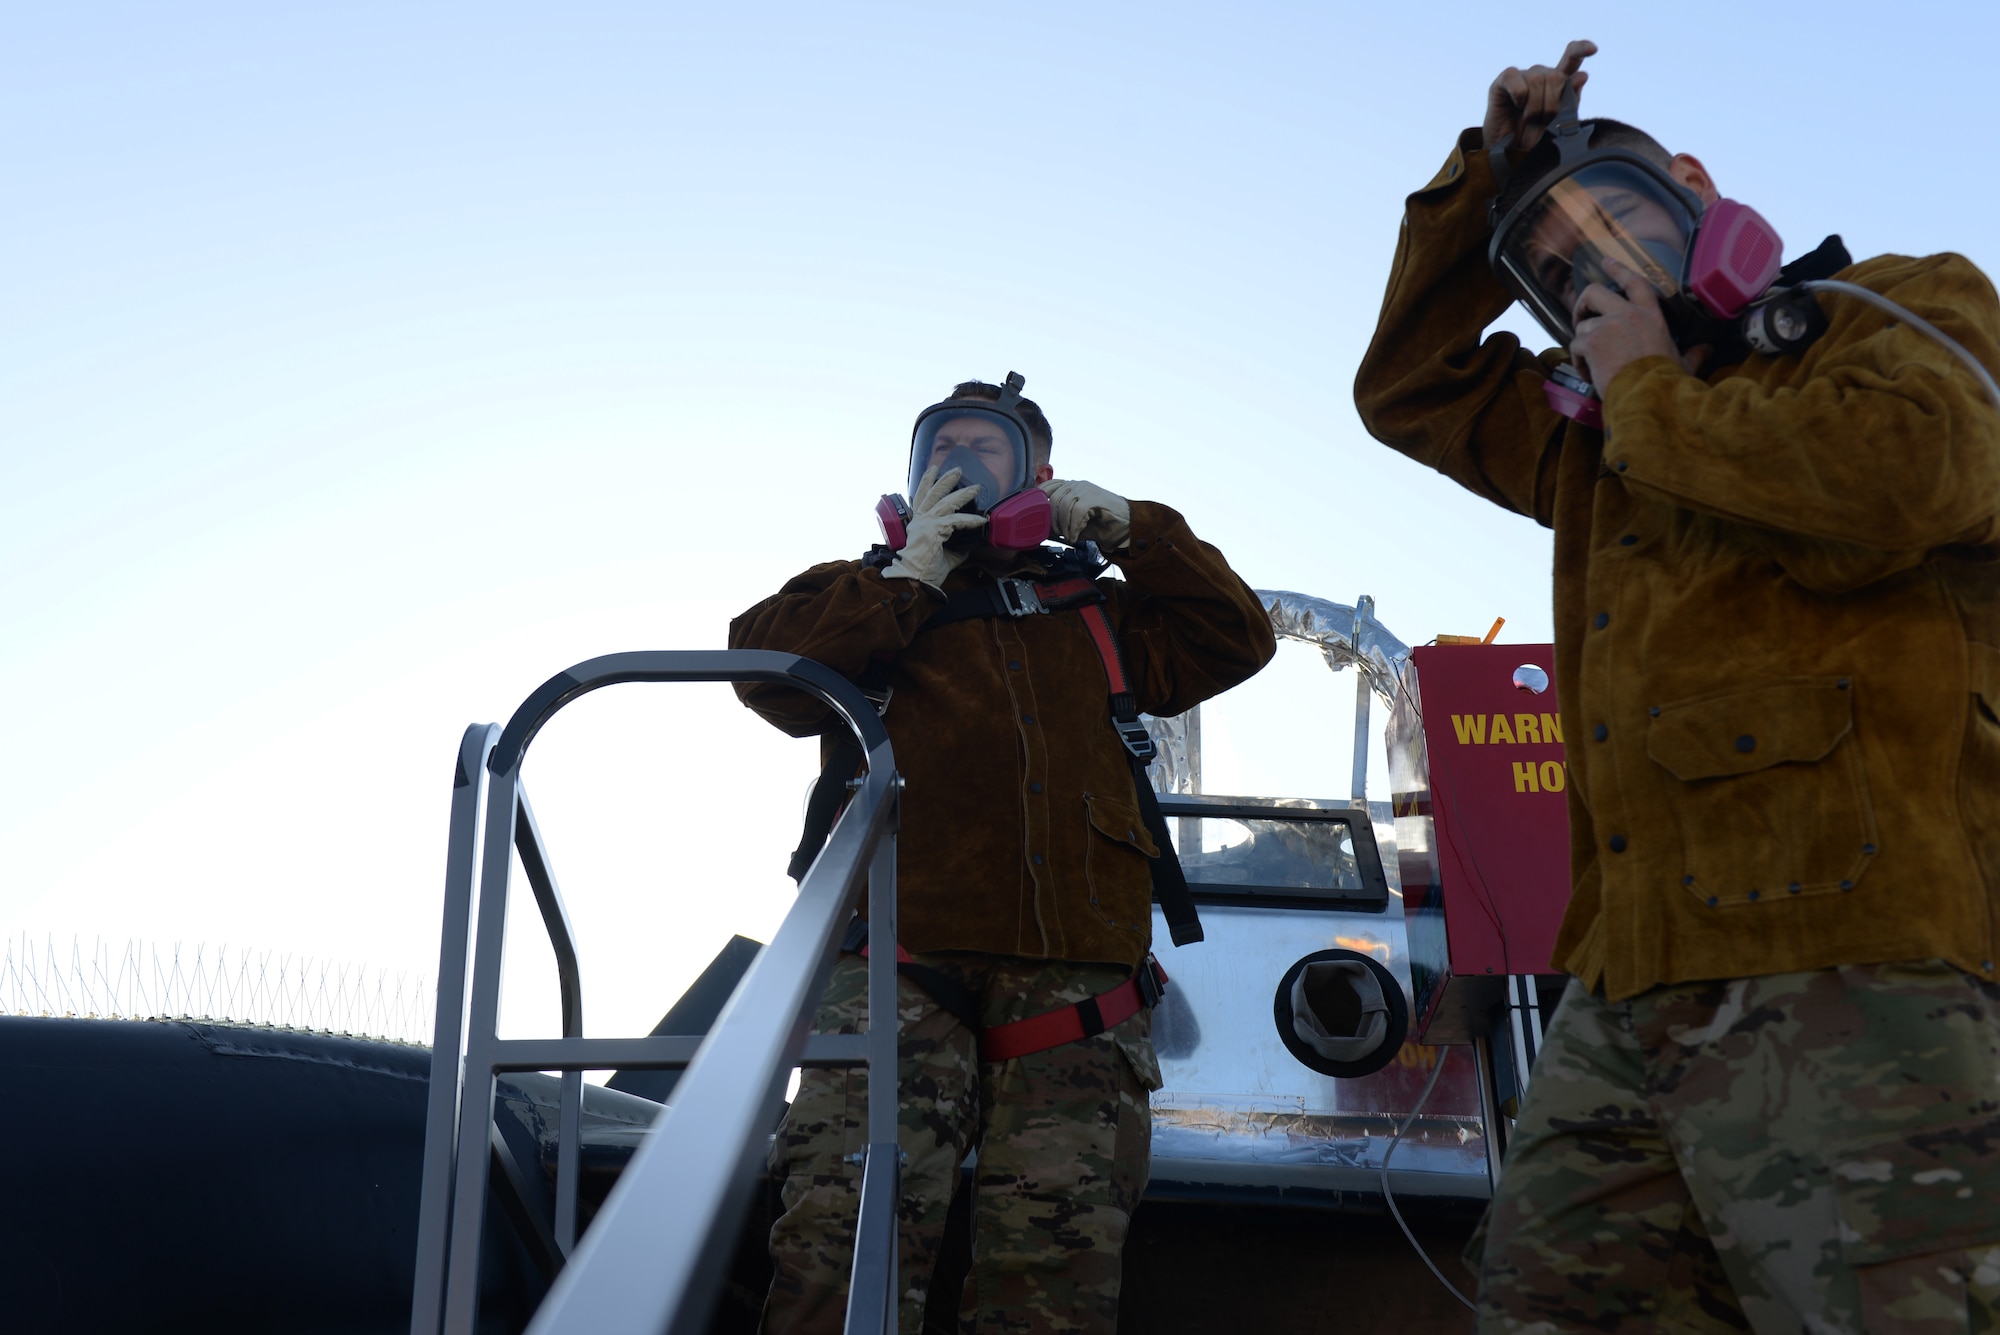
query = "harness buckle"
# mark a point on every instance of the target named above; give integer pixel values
(1152, 982)
(1138, 741)
(1018, 598)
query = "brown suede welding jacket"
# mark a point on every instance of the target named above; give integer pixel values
(1020, 832)
(1777, 611)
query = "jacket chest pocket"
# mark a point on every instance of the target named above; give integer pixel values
(1117, 862)
(1979, 762)
(1772, 800)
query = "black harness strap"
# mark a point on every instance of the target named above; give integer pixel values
(829, 792)
(1170, 885)
(952, 995)
(1020, 598)
(843, 762)
(1014, 598)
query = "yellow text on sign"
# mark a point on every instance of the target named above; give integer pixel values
(1507, 730)
(1547, 777)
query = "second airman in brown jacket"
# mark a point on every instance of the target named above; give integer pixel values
(1771, 1091)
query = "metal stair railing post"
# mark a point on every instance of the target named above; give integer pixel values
(871, 1289)
(569, 974)
(475, 1102)
(652, 1260)
(468, 793)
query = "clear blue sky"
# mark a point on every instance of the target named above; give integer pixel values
(364, 364)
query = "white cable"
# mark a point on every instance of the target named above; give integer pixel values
(1396, 1139)
(1916, 322)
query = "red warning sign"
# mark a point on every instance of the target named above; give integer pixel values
(1482, 825)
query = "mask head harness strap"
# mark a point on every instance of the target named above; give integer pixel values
(1573, 150)
(1566, 125)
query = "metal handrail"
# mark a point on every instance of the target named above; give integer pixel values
(468, 797)
(555, 916)
(652, 1259)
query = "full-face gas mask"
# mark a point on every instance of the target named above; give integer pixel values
(1707, 265)
(1718, 271)
(987, 440)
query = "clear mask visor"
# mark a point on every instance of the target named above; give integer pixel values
(1559, 245)
(986, 447)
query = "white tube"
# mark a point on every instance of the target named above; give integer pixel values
(1916, 322)
(1389, 1197)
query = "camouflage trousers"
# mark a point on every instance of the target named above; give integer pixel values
(1811, 1152)
(1064, 1140)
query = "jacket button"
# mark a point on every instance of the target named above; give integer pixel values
(1036, 859)
(1601, 732)
(1687, 880)
(1628, 540)
(1620, 465)
(1601, 620)
(1755, 895)
(1847, 885)
(1868, 848)
(1027, 718)
(1618, 843)
(1654, 711)
(1746, 743)
(1014, 665)
(1793, 888)
(1841, 685)
(1712, 901)
(1034, 787)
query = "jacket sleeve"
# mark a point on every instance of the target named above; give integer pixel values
(1878, 448)
(840, 614)
(1188, 627)
(1428, 386)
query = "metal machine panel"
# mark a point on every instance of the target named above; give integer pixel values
(1482, 827)
(1240, 1116)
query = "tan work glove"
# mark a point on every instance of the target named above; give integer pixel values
(1085, 512)
(935, 515)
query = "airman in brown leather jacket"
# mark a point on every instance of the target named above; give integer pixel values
(1023, 882)
(1777, 613)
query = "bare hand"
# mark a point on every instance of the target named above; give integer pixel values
(1521, 102)
(1615, 329)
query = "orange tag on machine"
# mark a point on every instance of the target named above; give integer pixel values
(1492, 633)
(1478, 779)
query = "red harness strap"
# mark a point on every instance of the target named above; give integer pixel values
(1099, 627)
(1065, 1024)
(1068, 1024)
(1061, 592)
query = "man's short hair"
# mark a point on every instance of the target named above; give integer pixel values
(1605, 133)
(1040, 437)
